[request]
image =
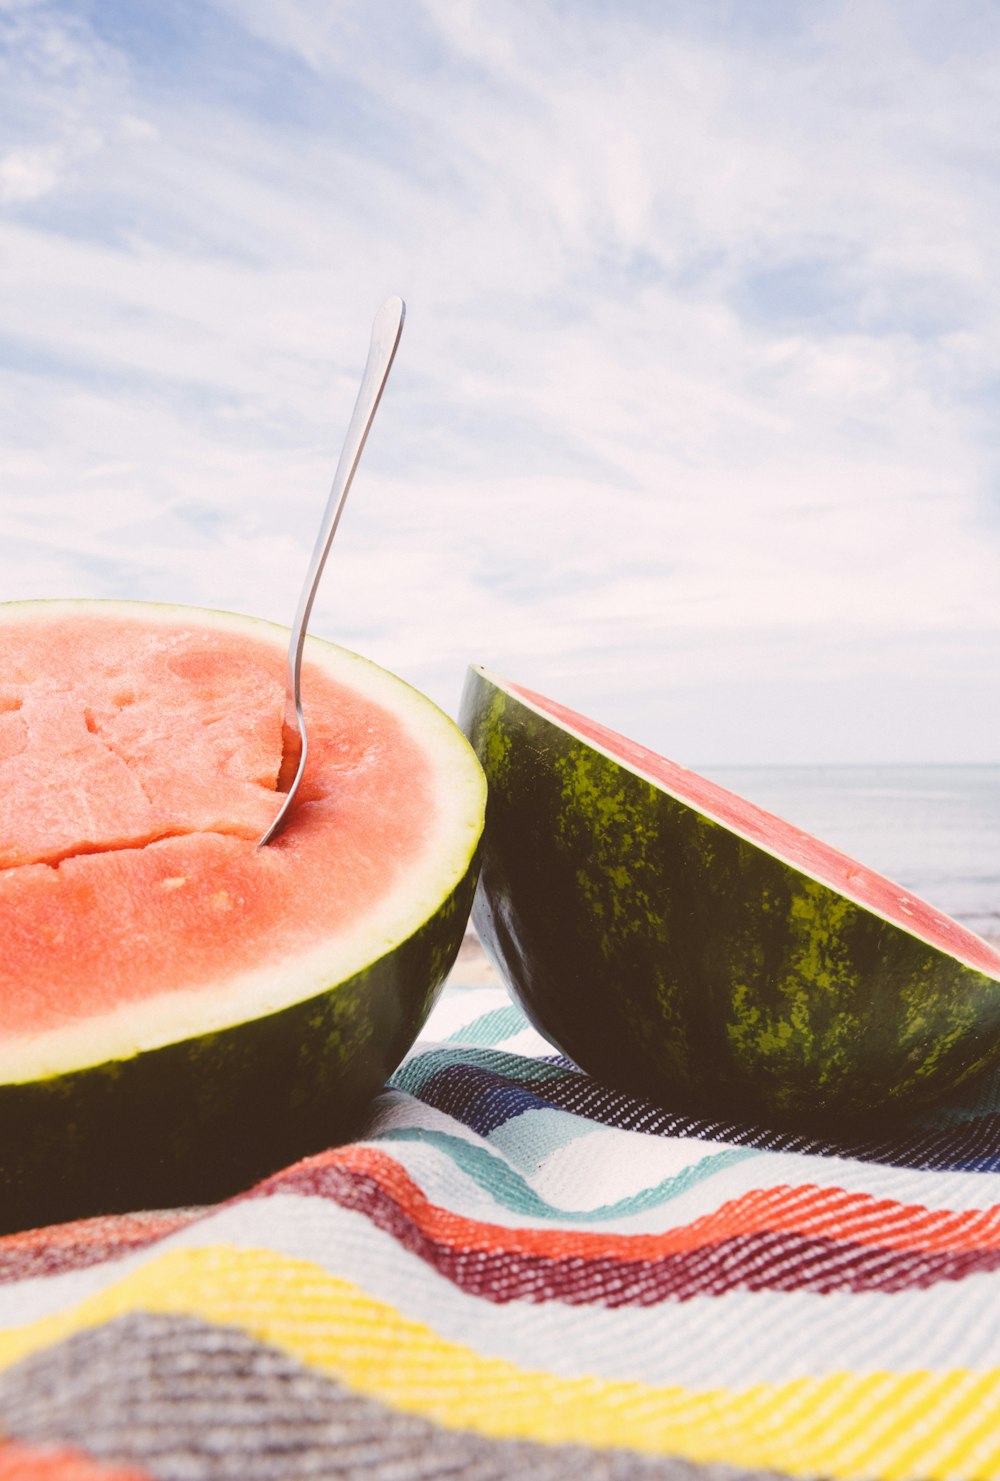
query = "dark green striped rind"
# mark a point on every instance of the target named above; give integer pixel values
(668, 956)
(202, 1119)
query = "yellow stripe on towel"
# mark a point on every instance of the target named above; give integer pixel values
(845, 1425)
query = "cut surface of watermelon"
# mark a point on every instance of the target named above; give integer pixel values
(677, 940)
(810, 854)
(139, 753)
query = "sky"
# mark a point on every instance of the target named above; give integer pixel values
(693, 425)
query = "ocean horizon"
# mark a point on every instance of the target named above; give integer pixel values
(933, 828)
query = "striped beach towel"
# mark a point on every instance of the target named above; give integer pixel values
(519, 1272)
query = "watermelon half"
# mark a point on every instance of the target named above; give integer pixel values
(181, 1011)
(681, 943)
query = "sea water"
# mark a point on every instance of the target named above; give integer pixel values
(933, 829)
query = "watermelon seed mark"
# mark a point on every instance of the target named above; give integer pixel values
(90, 720)
(10, 704)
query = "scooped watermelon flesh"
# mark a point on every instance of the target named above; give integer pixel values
(144, 934)
(679, 941)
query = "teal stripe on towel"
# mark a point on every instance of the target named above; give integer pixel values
(491, 1028)
(507, 1187)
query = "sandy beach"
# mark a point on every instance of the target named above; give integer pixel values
(472, 968)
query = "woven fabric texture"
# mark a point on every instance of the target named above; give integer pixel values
(519, 1272)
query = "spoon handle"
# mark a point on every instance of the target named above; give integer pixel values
(386, 330)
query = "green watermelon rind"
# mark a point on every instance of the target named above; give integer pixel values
(666, 954)
(199, 1120)
(196, 1110)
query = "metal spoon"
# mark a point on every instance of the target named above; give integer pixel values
(387, 328)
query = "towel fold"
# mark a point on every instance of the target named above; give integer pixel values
(517, 1271)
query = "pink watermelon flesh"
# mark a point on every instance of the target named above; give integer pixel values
(138, 766)
(809, 854)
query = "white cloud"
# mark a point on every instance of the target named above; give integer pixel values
(695, 385)
(26, 174)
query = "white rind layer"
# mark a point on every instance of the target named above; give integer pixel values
(955, 932)
(459, 788)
